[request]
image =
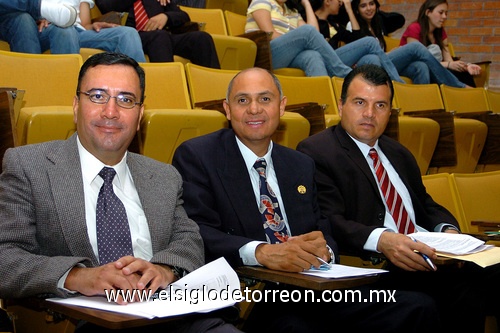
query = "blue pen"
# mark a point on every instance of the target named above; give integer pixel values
(426, 258)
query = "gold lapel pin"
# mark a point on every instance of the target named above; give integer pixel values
(301, 189)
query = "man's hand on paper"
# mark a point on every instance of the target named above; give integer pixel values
(297, 254)
(404, 252)
(127, 273)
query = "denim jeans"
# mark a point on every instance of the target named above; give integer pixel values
(406, 57)
(31, 7)
(120, 39)
(367, 50)
(305, 48)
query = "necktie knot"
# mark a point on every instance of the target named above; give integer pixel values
(108, 174)
(373, 154)
(260, 165)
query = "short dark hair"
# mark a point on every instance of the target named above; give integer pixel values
(111, 58)
(373, 74)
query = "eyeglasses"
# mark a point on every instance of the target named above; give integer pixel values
(125, 101)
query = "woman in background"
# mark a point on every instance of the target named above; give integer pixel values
(429, 30)
(413, 60)
(295, 43)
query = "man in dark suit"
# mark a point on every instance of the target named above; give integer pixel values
(222, 194)
(362, 222)
(158, 40)
(51, 211)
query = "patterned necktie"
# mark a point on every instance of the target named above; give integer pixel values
(113, 232)
(140, 15)
(391, 196)
(274, 225)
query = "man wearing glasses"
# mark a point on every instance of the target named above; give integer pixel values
(84, 215)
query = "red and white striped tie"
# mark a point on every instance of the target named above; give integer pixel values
(391, 196)
(141, 17)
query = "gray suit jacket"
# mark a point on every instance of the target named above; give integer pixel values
(43, 230)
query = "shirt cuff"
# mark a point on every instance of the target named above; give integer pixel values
(247, 253)
(371, 243)
(62, 280)
(442, 227)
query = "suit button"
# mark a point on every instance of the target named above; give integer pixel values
(380, 216)
(230, 231)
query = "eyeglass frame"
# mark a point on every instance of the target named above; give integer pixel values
(104, 93)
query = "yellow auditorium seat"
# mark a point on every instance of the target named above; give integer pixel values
(318, 89)
(441, 187)
(391, 43)
(163, 130)
(207, 84)
(235, 22)
(213, 19)
(166, 86)
(469, 134)
(45, 123)
(493, 100)
(46, 79)
(479, 195)
(235, 6)
(292, 129)
(460, 100)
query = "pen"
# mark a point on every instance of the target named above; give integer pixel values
(426, 258)
(323, 262)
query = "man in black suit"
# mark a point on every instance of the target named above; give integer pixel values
(221, 193)
(350, 197)
(159, 41)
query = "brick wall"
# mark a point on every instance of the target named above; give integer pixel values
(472, 26)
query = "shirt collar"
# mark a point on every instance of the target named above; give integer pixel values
(91, 166)
(250, 157)
(363, 147)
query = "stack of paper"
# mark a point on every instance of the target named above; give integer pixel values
(342, 271)
(457, 244)
(460, 246)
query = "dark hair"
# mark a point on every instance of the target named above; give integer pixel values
(373, 74)
(376, 24)
(111, 58)
(423, 20)
(294, 5)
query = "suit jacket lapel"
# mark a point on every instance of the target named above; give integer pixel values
(67, 189)
(236, 182)
(355, 155)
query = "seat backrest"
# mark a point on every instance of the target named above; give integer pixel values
(235, 23)
(235, 52)
(46, 79)
(337, 86)
(417, 97)
(163, 130)
(390, 43)
(207, 84)
(166, 86)
(493, 100)
(479, 195)
(235, 6)
(462, 100)
(301, 89)
(45, 123)
(441, 187)
(213, 19)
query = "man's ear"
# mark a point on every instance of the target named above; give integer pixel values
(227, 109)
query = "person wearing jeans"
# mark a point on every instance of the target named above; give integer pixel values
(295, 43)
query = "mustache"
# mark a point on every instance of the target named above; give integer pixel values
(107, 123)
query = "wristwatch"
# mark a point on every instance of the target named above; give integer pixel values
(332, 255)
(178, 272)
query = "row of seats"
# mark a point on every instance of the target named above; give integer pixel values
(468, 196)
(178, 86)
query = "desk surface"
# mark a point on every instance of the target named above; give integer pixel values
(107, 319)
(302, 280)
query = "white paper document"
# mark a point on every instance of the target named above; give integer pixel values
(456, 244)
(210, 287)
(342, 271)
